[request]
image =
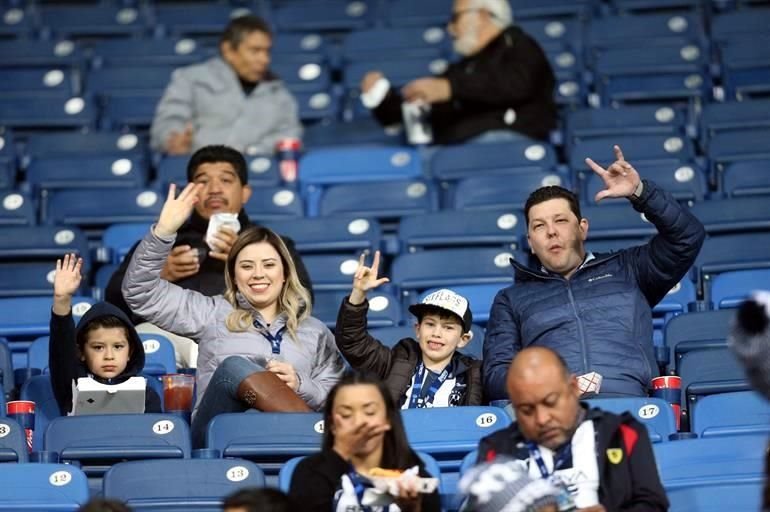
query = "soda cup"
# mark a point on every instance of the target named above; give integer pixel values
(178, 391)
(23, 411)
(669, 388)
(288, 151)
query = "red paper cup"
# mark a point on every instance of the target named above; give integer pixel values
(288, 151)
(669, 388)
(23, 411)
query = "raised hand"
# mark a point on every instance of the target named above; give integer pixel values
(620, 178)
(176, 210)
(66, 282)
(365, 278)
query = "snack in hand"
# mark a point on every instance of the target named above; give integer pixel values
(386, 473)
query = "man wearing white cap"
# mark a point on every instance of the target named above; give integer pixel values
(423, 372)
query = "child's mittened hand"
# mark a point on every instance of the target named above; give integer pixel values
(67, 278)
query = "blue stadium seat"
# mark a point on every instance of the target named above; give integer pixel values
(677, 87)
(398, 71)
(360, 132)
(685, 182)
(382, 200)
(28, 84)
(498, 228)
(740, 22)
(726, 414)
(17, 21)
(131, 110)
(549, 9)
(730, 289)
(697, 330)
(38, 389)
(309, 74)
(98, 441)
(480, 297)
(48, 112)
(339, 15)
(350, 165)
(159, 355)
(101, 279)
(389, 336)
(17, 209)
(186, 18)
(83, 207)
(7, 173)
(453, 267)
(331, 271)
(631, 6)
(651, 29)
(344, 234)
(137, 52)
(317, 106)
(274, 203)
(13, 439)
(733, 115)
(37, 354)
(616, 221)
(405, 13)
(678, 299)
(297, 46)
(631, 119)
(724, 253)
(717, 460)
(736, 215)
(710, 497)
(198, 484)
(745, 69)
(452, 163)
(494, 192)
(57, 144)
(384, 308)
(736, 146)
(654, 413)
(659, 149)
(26, 279)
(29, 317)
(43, 487)
(269, 439)
(96, 20)
(554, 34)
(6, 372)
(750, 177)
(372, 44)
(83, 171)
(42, 243)
(638, 61)
(137, 78)
(570, 91)
(709, 371)
(48, 54)
(118, 239)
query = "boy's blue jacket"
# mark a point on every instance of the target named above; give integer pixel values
(601, 318)
(65, 365)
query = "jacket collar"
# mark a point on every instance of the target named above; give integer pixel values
(243, 303)
(526, 273)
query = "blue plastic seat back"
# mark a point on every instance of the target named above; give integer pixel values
(339, 15)
(499, 228)
(359, 132)
(350, 165)
(727, 414)
(735, 146)
(343, 234)
(136, 52)
(331, 271)
(372, 44)
(17, 209)
(687, 58)
(382, 200)
(110, 171)
(130, 109)
(697, 330)
(38, 389)
(678, 299)
(85, 208)
(716, 460)
(733, 115)
(711, 497)
(659, 29)
(554, 33)
(384, 308)
(496, 192)
(308, 74)
(451, 163)
(98, 20)
(118, 145)
(56, 54)
(159, 354)
(6, 370)
(42, 243)
(105, 81)
(730, 289)
(389, 336)
(708, 371)
(750, 177)
(268, 439)
(317, 105)
(452, 267)
(46, 112)
(632, 119)
(726, 25)
(399, 71)
(548, 9)
(663, 149)
(43, 487)
(118, 437)
(617, 221)
(654, 413)
(195, 18)
(26, 279)
(195, 484)
(13, 439)
(50, 82)
(742, 251)
(37, 354)
(420, 14)
(274, 203)
(674, 87)
(118, 239)
(29, 317)
(298, 46)
(686, 182)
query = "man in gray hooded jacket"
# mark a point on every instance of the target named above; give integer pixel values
(232, 99)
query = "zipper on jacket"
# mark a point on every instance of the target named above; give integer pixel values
(581, 331)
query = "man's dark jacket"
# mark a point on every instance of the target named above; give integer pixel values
(210, 279)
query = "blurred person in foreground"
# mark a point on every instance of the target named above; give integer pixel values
(258, 500)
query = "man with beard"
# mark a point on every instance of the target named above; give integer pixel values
(594, 310)
(195, 263)
(503, 83)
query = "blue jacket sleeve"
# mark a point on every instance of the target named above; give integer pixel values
(501, 343)
(665, 260)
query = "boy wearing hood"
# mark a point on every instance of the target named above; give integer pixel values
(104, 346)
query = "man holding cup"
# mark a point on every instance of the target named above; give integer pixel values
(197, 261)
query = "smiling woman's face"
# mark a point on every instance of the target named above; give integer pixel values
(259, 275)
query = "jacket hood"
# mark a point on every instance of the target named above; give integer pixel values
(136, 361)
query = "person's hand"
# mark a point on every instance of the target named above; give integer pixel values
(285, 372)
(66, 280)
(369, 80)
(180, 143)
(350, 438)
(181, 262)
(593, 508)
(429, 90)
(408, 499)
(365, 278)
(176, 210)
(223, 240)
(620, 178)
